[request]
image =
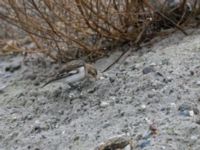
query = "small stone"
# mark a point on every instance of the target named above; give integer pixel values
(173, 105)
(61, 112)
(198, 122)
(92, 90)
(133, 67)
(122, 114)
(167, 79)
(29, 147)
(151, 95)
(185, 113)
(106, 125)
(12, 68)
(148, 70)
(29, 117)
(1, 137)
(188, 110)
(166, 110)
(113, 98)
(198, 83)
(191, 113)
(153, 64)
(37, 122)
(165, 62)
(7, 75)
(76, 138)
(63, 132)
(104, 104)
(37, 83)
(111, 79)
(37, 129)
(137, 66)
(196, 111)
(126, 62)
(163, 147)
(147, 120)
(159, 74)
(2, 88)
(128, 147)
(121, 142)
(194, 137)
(142, 107)
(184, 107)
(101, 78)
(191, 73)
(30, 76)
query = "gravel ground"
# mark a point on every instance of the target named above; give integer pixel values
(153, 97)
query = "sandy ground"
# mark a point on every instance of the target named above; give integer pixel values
(158, 85)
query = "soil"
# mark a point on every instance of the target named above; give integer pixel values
(152, 97)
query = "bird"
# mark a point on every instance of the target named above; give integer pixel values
(73, 71)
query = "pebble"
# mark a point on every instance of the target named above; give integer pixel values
(101, 78)
(28, 117)
(111, 79)
(194, 137)
(151, 95)
(133, 67)
(184, 107)
(12, 68)
(185, 113)
(153, 64)
(159, 74)
(167, 79)
(7, 75)
(128, 147)
(142, 107)
(76, 138)
(191, 113)
(147, 70)
(196, 111)
(188, 110)
(166, 110)
(191, 73)
(2, 88)
(198, 83)
(163, 147)
(36, 83)
(61, 112)
(38, 127)
(165, 62)
(104, 104)
(137, 66)
(173, 105)
(198, 121)
(30, 76)
(121, 142)
(106, 125)
(1, 74)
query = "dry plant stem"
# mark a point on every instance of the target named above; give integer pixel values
(91, 26)
(165, 17)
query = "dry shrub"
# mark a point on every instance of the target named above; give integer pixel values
(70, 29)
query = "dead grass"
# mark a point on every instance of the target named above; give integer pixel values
(72, 29)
